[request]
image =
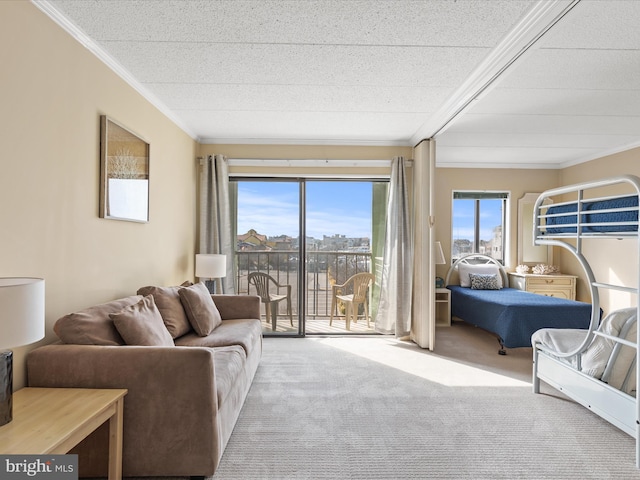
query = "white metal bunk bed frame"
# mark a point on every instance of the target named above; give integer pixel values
(615, 406)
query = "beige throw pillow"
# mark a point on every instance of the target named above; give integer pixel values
(200, 309)
(141, 324)
(93, 326)
(168, 302)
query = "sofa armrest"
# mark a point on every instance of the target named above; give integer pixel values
(171, 404)
(233, 307)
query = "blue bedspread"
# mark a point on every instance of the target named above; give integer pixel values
(514, 315)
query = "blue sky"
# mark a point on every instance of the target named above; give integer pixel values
(336, 207)
(463, 214)
(272, 208)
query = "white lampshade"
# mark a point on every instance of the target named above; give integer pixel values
(21, 311)
(439, 254)
(211, 265)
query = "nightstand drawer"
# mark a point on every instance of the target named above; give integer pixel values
(555, 292)
(551, 281)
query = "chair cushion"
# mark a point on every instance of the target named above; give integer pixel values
(93, 326)
(200, 309)
(142, 324)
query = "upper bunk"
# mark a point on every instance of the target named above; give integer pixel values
(575, 212)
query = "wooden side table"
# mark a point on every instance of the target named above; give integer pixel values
(54, 420)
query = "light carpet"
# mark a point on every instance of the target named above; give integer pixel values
(375, 408)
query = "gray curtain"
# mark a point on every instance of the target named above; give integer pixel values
(394, 310)
(215, 224)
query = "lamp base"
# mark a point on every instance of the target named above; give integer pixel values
(211, 285)
(6, 387)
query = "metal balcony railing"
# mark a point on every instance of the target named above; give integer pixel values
(323, 270)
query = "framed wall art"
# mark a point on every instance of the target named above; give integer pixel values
(124, 173)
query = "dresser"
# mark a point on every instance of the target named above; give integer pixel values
(556, 285)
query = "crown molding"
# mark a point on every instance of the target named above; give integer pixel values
(58, 17)
(601, 154)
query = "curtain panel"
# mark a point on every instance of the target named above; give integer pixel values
(394, 310)
(214, 222)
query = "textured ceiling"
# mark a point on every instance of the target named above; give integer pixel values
(369, 72)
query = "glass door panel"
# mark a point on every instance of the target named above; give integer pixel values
(339, 231)
(268, 250)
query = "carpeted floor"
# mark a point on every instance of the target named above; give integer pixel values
(374, 408)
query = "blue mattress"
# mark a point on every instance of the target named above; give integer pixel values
(587, 218)
(513, 315)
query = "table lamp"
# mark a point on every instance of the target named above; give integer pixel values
(21, 323)
(211, 266)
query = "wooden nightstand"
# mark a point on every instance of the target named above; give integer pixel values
(556, 285)
(443, 307)
(54, 420)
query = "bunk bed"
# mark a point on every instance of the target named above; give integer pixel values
(596, 367)
(512, 315)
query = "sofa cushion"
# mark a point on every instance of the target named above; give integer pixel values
(243, 332)
(200, 309)
(170, 307)
(229, 369)
(93, 326)
(142, 324)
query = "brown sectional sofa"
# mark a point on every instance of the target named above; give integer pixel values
(186, 383)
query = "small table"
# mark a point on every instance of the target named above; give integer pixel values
(54, 420)
(443, 298)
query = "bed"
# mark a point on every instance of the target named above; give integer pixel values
(512, 315)
(597, 367)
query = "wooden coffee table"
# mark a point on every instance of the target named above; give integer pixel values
(54, 420)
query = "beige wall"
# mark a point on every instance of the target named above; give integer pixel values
(52, 94)
(516, 181)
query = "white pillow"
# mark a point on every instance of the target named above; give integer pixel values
(627, 354)
(595, 359)
(464, 269)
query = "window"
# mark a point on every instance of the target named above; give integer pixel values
(479, 224)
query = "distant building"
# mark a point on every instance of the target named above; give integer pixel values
(282, 242)
(252, 240)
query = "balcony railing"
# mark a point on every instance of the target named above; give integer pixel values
(323, 270)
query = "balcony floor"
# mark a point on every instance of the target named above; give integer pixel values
(319, 325)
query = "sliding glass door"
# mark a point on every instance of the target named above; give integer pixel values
(268, 220)
(342, 223)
